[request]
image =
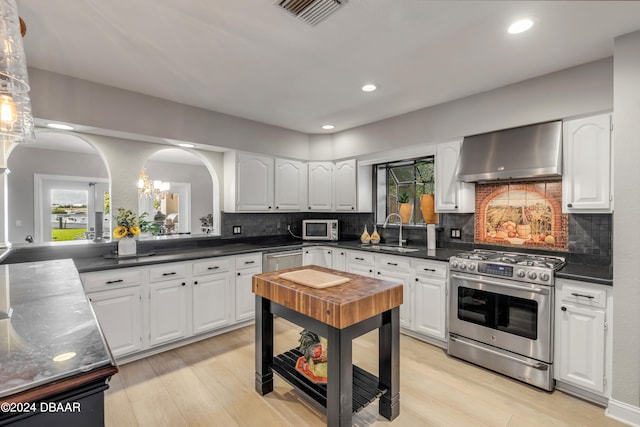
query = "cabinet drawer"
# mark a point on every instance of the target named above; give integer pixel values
(431, 269)
(249, 260)
(211, 266)
(167, 272)
(393, 263)
(362, 258)
(111, 279)
(588, 296)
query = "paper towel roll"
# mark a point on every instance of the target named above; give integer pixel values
(431, 236)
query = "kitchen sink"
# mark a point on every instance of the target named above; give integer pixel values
(401, 249)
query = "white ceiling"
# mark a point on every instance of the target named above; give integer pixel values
(250, 59)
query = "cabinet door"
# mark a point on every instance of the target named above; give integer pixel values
(406, 314)
(167, 311)
(582, 346)
(245, 299)
(430, 307)
(320, 186)
(451, 195)
(586, 184)
(291, 185)
(345, 185)
(339, 259)
(360, 269)
(119, 313)
(255, 182)
(318, 256)
(211, 297)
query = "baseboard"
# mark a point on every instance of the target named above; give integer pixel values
(623, 412)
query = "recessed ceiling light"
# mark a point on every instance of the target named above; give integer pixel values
(520, 26)
(328, 127)
(369, 87)
(185, 145)
(59, 126)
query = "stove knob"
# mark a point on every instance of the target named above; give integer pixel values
(472, 267)
(532, 275)
(544, 277)
(454, 264)
(463, 266)
(520, 274)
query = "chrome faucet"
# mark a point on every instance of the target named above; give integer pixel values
(400, 233)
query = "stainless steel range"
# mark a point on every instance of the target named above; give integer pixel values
(501, 313)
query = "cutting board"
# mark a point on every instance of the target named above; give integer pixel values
(314, 278)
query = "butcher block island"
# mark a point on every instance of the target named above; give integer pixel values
(337, 306)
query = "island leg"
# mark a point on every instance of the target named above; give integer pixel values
(389, 363)
(339, 379)
(264, 346)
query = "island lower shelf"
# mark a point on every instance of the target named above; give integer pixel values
(366, 387)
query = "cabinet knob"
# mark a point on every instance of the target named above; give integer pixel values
(371, 271)
(238, 274)
(195, 283)
(456, 206)
(309, 207)
(353, 207)
(183, 284)
(569, 205)
(269, 207)
(378, 272)
(563, 308)
(417, 280)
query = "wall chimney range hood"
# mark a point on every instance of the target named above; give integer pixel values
(522, 153)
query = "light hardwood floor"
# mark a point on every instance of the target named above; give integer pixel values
(211, 383)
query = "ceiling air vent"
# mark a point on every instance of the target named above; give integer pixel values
(310, 11)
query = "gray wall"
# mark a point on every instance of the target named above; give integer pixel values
(626, 235)
(24, 162)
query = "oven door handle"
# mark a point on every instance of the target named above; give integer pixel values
(538, 366)
(541, 291)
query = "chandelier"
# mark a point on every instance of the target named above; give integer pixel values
(16, 119)
(148, 189)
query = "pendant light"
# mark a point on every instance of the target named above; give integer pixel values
(16, 119)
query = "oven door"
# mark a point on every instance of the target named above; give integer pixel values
(510, 315)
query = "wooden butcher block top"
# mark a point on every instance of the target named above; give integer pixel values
(339, 306)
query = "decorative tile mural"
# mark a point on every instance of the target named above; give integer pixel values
(522, 214)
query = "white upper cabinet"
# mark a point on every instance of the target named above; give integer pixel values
(345, 185)
(450, 194)
(254, 182)
(320, 186)
(248, 182)
(291, 185)
(586, 181)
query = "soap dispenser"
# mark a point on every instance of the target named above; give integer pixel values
(375, 237)
(365, 237)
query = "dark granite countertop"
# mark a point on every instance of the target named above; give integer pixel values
(45, 313)
(601, 274)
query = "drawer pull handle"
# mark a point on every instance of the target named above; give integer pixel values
(109, 282)
(582, 295)
(360, 259)
(169, 274)
(393, 263)
(429, 269)
(213, 268)
(249, 262)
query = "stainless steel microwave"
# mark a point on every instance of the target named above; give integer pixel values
(320, 229)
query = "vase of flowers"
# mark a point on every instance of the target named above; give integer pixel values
(125, 231)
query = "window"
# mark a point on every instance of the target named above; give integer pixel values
(399, 181)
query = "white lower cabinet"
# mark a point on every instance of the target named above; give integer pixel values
(246, 267)
(318, 255)
(339, 259)
(140, 308)
(582, 340)
(362, 263)
(398, 269)
(430, 300)
(167, 311)
(211, 294)
(120, 315)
